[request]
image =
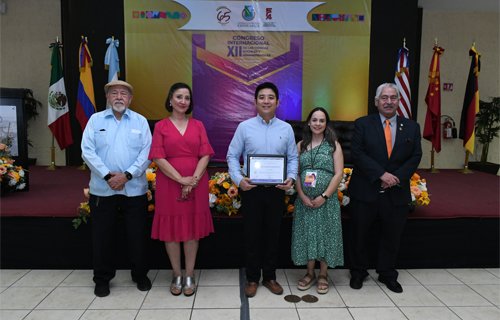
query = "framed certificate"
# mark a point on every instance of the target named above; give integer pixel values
(266, 169)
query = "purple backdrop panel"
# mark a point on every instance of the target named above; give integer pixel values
(223, 92)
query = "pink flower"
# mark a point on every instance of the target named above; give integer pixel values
(416, 191)
(233, 191)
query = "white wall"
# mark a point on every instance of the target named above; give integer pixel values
(456, 31)
(26, 30)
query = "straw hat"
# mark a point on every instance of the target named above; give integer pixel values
(118, 83)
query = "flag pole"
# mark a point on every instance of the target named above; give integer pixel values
(466, 169)
(433, 169)
(52, 166)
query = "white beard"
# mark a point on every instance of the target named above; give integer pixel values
(119, 108)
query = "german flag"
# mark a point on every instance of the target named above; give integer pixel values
(471, 103)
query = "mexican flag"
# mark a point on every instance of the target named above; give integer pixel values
(58, 113)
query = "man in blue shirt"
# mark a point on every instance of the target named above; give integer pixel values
(262, 206)
(115, 146)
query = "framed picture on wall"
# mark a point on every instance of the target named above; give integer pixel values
(8, 128)
(13, 130)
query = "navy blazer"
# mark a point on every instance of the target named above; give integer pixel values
(370, 158)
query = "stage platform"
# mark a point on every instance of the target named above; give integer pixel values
(460, 227)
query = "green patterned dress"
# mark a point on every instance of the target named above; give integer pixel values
(317, 233)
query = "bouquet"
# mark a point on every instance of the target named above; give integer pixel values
(12, 177)
(223, 194)
(151, 178)
(342, 193)
(418, 189)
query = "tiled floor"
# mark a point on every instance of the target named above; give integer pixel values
(431, 294)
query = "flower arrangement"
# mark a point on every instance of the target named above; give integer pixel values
(223, 194)
(84, 208)
(342, 193)
(12, 177)
(418, 189)
(151, 178)
(419, 193)
(224, 197)
(290, 197)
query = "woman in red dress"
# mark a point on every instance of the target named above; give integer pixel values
(181, 149)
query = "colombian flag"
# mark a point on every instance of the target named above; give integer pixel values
(85, 103)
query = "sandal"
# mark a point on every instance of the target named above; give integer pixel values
(323, 284)
(176, 286)
(306, 282)
(189, 286)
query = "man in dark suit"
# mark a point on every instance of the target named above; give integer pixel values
(386, 152)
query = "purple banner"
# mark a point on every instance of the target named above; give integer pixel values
(223, 91)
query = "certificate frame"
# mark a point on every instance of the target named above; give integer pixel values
(266, 169)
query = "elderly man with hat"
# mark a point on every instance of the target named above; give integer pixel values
(115, 146)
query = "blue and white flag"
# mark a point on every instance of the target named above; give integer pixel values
(111, 60)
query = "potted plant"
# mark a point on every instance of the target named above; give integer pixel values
(31, 106)
(487, 127)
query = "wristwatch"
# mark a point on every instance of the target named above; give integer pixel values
(324, 196)
(128, 175)
(107, 177)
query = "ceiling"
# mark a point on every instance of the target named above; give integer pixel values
(460, 5)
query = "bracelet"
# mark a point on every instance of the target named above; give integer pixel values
(324, 196)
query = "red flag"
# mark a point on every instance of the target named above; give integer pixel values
(432, 126)
(402, 80)
(471, 102)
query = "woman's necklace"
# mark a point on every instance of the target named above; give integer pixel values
(313, 155)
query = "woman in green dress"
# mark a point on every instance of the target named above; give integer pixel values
(317, 229)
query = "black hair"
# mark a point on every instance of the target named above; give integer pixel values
(175, 87)
(329, 134)
(267, 85)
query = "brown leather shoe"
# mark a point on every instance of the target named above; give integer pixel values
(251, 289)
(273, 286)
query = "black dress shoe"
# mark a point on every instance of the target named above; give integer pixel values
(101, 290)
(143, 284)
(356, 282)
(392, 285)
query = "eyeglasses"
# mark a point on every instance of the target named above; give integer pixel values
(387, 98)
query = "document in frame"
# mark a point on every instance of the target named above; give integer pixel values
(266, 169)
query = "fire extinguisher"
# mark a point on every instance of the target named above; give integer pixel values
(449, 130)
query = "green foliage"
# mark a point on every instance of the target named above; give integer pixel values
(487, 124)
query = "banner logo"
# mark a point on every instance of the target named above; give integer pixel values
(248, 13)
(277, 16)
(269, 13)
(223, 15)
